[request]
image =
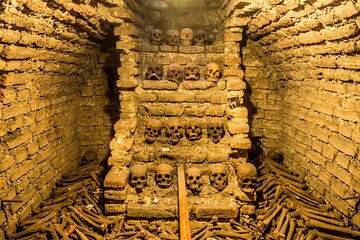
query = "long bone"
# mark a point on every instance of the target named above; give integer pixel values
(286, 175)
(270, 210)
(283, 214)
(304, 195)
(284, 227)
(306, 215)
(268, 220)
(318, 224)
(286, 181)
(279, 166)
(99, 227)
(292, 228)
(331, 236)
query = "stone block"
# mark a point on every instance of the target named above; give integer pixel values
(128, 71)
(6, 162)
(116, 178)
(237, 113)
(119, 158)
(233, 36)
(215, 111)
(240, 142)
(152, 211)
(127, 83)
(211, 97)
(176, 97)
(115, 195)
(194, 111)
(217, 155)
(167, 48)
(237, 126)
(128, 125)
(159, 85)
(216, 48)
(146, 47)
(343, 145)
(235, 84)
(147, 97)
(221, 211)
(174, 111)
(197, 85)
(221, 85)
(191, 49)
(155, 110)
(233, 72)
(122, 144)
(126, 45)
(126, 29)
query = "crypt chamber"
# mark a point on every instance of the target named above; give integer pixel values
(180, 119)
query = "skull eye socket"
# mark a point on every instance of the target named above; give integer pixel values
(212, 128)
(223, 174)
(191, 178)
(214, 175)
(246, 180)
(254, 181)
(167, 176)
(159, 176)
(135, 178)
(198, 177)
(142, 178)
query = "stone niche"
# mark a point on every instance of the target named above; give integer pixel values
(181, 103)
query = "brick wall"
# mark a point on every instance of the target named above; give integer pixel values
(54, 96)
(302, 66)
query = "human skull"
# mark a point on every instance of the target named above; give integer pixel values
(200, 37)
(276, 155)
(212, 72)
(215, 130)
(193, 131)
(156, 36)
(186, 36)
(138, 176)
(164, 175)
(175, 73)
(192, 72)
(194, 180)
(89, 157)
(152, 130)
(247, 177)
(174, 131)
(218, 176)
(154, 72)
(172, 37)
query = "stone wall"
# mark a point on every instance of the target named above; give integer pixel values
(302, 66)
(54, 96)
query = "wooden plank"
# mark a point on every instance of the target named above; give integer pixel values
(183, 206)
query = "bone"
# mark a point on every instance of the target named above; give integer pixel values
(284, 227)
(268, 220)
(307, 215)
(81, 235)
(332, 236)
(292, 228)
(318, 224)
(100, 227)
(283, 214)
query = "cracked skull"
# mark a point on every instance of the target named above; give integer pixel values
(194, 180)
(212, 72)
(193, 131)
(174, 131)
(192, 72)
(200, 37)
(89, 157)
(152, 130)
(154, 72)
(186, 36)
(138, 176)
(156, 36)
(247, 177)
(175, 73)
(215, 130)
(164, 175)
(172, 37)
(218, 176)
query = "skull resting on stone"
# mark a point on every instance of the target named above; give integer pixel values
(194, 180)
(186, 36)
(200, 37)
(193, 131)
(174, 131)
(152, 130)
(175, 73)
(212, 72)
(247, 177)
(89, 157)
(154, 72)
(172, 37)
(192, 72)
(218, 176)
(138, 176)
(215, 130)
(156, 36)
(276, 155)
(164, 175)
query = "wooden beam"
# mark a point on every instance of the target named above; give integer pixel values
(183, 206)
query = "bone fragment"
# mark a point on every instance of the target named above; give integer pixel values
(318, 224)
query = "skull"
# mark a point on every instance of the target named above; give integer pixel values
(156, 36)
(186, 36)
(276, 155)
(218, 176)
(247, 177)
(175, 73)
(138, 176)
(194, 180)
(192, 72)
(200, 37)
(193, 131)
(212, 72)
(154, 72)
(174, 131)
(172, 37)
(152, 130)
(164, 175)
(89, 157)
(215, 130)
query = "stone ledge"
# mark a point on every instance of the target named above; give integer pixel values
(159, 85)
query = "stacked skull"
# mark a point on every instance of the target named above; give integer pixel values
(138, 177)
(193, 131)
(215, 130)
(164, 175)
(218, 176)
(194, 180)
(154, 72)
(152, 130)
(174, 131)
